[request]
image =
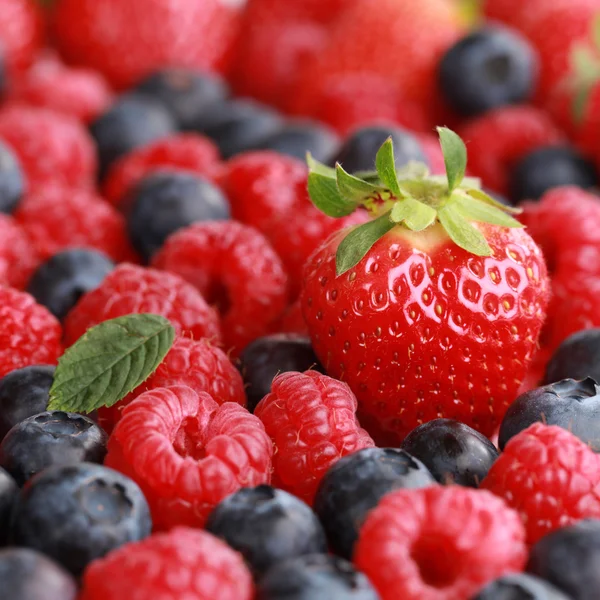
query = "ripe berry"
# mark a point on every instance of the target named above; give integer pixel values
(452, 451)
(133, 121)
(271, 355)
(12, 183)
(130, 289)
(549, 476)
(520, 586)
(355, 484)
(188, 453)
(439, 542)
(24, 393)
(572, 405)
(59, 282)
(359, 149)
(29, 334)
(161, 204)
(267, 526)
(29, 575)
(9, 490)
(78, 513)
(315, 577)
(577, 357)
(311, 419)
(488, 68)
(18, 259)
(181, 563)
(550, 167)
(235, 268)
(185, 93)
(51, 439)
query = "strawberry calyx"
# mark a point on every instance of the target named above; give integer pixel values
(408, 197)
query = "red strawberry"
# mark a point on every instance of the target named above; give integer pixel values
(434, 307)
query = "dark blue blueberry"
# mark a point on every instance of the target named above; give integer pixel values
(547, 168)
(356, 483)
(572, 405)
(520, 586)
(315, 577)
(267, 526)
(28, 575)
(48, 439)
(268, 356)
(577, 357)
(452, 451)
(59, 282)
(358, 152)
(133, 121)
(166, 201)
(24, 393)
(78, 513)
(296, 138)
(487, 69)
(11, 180)
(568, 558)
(9, 491)
(185, 93)
(238, 125)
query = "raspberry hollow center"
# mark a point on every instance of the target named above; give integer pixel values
(436, 560)
(188, 440)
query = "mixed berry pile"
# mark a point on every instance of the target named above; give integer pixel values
(299, 300)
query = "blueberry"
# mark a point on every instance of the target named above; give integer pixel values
(24, 393)
(572, 405)
(59, 282)
(185, 93)
(28, 575)
(268, 356)
(9, 491)
(77, 513)
(315, 577)
(296, 138)
(12, 183)
(133, 121)
(356, 483)
(267, 526)
(358, 152)
(547, 168)
(166, 201)
(48, 439)
(568, 558)
(486, 69)
(577, 357)
(520, 586)
(238, 125)
(452, 451)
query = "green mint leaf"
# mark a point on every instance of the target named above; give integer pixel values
(414, 214)
(484, 213)
(461, 232)
(483, 197)
(359, 241)
(353, 188)
(109, 361)
(455, 156)
(386, 166)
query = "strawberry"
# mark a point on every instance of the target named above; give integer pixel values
(434, 307)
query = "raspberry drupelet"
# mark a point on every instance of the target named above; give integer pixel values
(18, 259)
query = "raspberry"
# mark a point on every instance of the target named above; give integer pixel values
(186, 151)
(549, 476)
(128, 39)
(181, 563)
(499, 138)
(292, 321)
(51, 147)
(29, 334)
(81, 93)
(130, 289)
(198, 364)
(439, 543)
(56, 217)
(311, 419)
(17, 259)
(235, 268)
(187, 453)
